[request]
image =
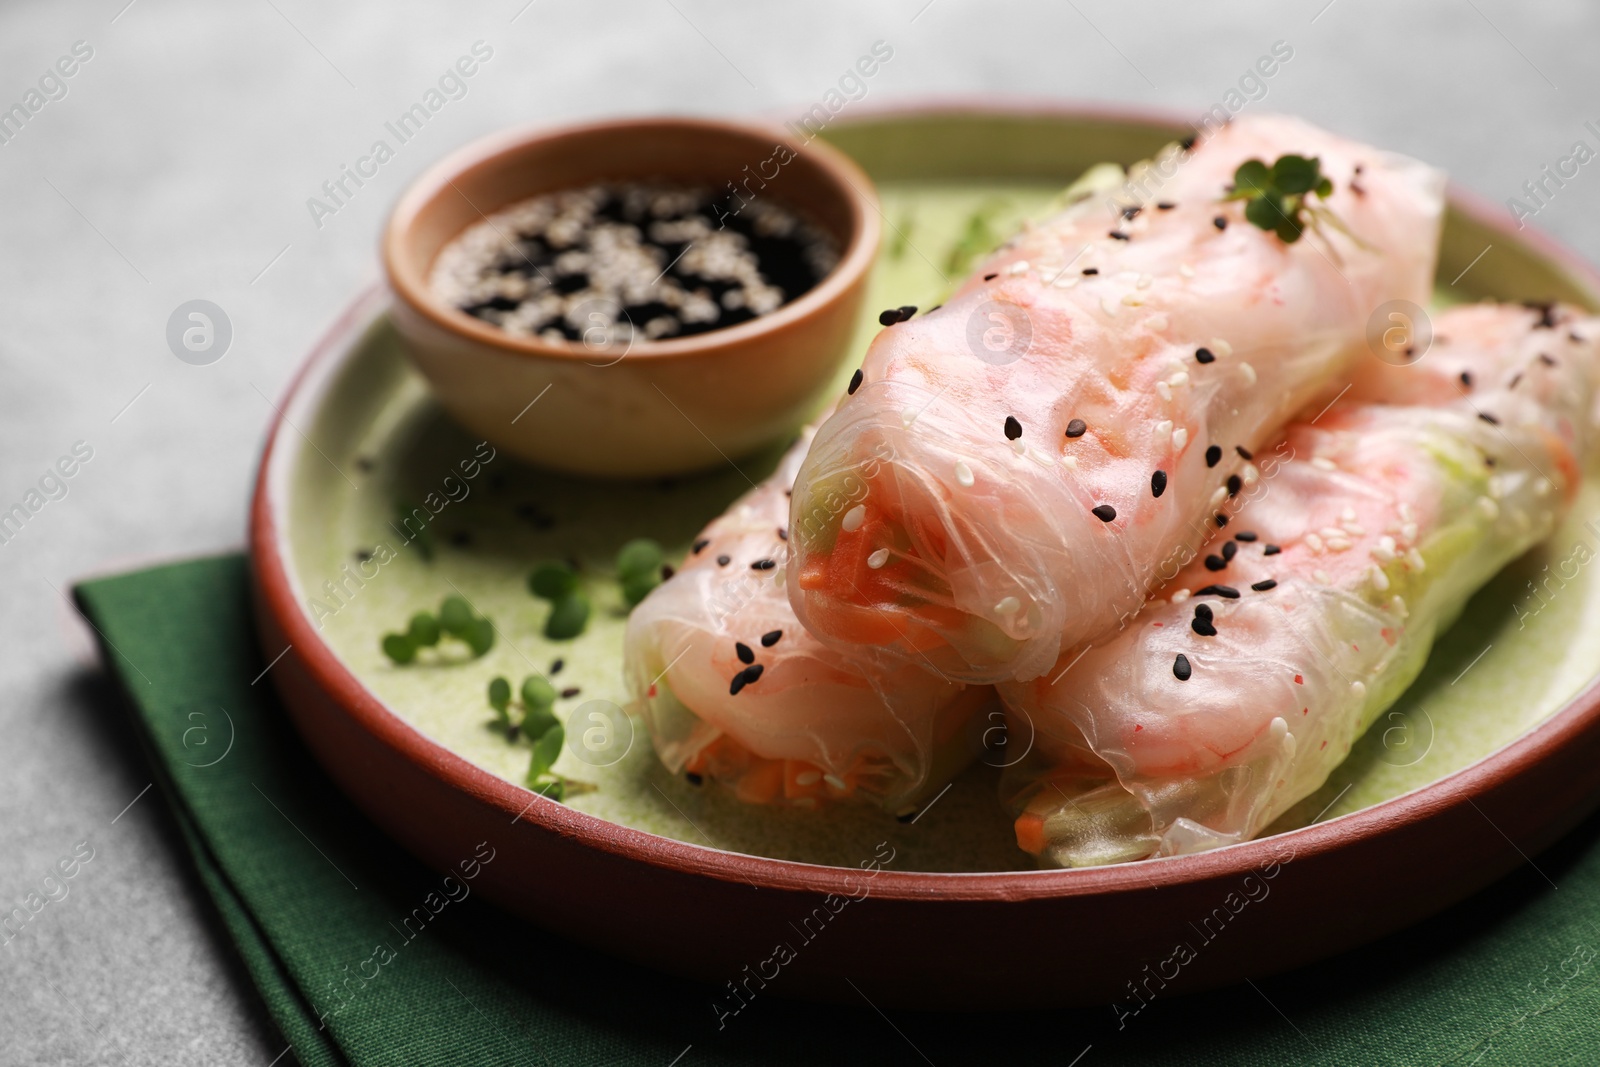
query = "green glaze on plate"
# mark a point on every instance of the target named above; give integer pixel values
(1515, 657)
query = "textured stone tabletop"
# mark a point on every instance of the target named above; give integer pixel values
(175, 162)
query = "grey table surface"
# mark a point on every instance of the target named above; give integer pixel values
(178, 163)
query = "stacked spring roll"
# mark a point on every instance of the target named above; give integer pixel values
(734, 689)
(1024, 496)
(1237, 691)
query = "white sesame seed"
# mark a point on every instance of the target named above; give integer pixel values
(1018, 446)
(1219, 496)
(1384, 550)
(1322, 577)
(1355, 529)
(1221, 348)
(1380, 580)
(1008, 607)
(908, 416)
(1338, 544)
(1323, 463)
(1133, 300)
(878, 559)
(1180, 437)
(1070, 462)
(808, 778)
(1186, 270)
(1248, 372)
(1488, 508)
(1278, 727)
(1157, 322)
(963, 474)
(1348, 515)
(1179, 379)
(1019, 267)
(1359, 689)
(1405, 512)
(1331, 531)
(1107, 306)
(1414, 561)
(1397, 605)
(1164, 390)
(1064, 280)
(1314, 542)
(1180, 596)
(1250, 474)
(835, 781)
(1408, 532)
(854, 518)
(1145, 281)
(1164, 427)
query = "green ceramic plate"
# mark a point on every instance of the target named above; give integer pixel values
(1526, 644)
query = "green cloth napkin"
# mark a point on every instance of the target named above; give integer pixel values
(309, 888)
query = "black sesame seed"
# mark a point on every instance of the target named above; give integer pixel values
(1187, 144)
(1244, 453)
(1466, 379)
(1118, 235)
(752, 673)
(1271, 550)
(1158, 483)
(1013, 428)
(569, 692)
(1091, 271)
(771, 638)
(694, 779)
(1204, 355)
(723, 561)
(855, 382)
(1215, 563)
(1181, 669)
(990, 277)
(1203, 611)
(1549, 361)
(762, 565)
(1165, 205)
(1245, 536)
(1547, 314)
(1227, 592)
(935, 307)
(742, 650)
(906, 816)
(1516, 379)
(736, 685)
(1262, 587)
(1220, 223)
(1105, 512)
(783, 535)
(1213, 456)
(556, 665)
(699, 546)
(1222, 520)
(1235, 483)
(1204, 627)
(889, 318)
(1077, 428)
(1490, 419)
(667, 572)
(1229, 550)
(906, 311)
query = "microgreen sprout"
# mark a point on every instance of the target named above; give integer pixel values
(569, 611)
(455, 619)
(1286, 198)
(639, 569)
(539, 724)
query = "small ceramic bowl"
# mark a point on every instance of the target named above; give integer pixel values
(656, 407)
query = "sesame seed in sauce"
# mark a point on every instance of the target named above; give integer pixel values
(771, 638)
(1220, 223)
(1244, 453)
(1213, 455)
(752, 673)
(1245, 535)
(1204, 355)
(736, 685)
(1158, 483)
(762, 565)
(1222, 520)
(1227, 592)
(1215, 562)
(1202, 624)
(1229, 550)
(1013, 428)
(855, 382)
(1091, 271)
(1104, 512)
(1077, 428)
(700, 545)
(890, 317)
(1270, 550)
(1263, 586)
(1235, 483)
(744, 653)
(1181, 669)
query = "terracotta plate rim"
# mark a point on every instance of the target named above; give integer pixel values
(273, 581)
